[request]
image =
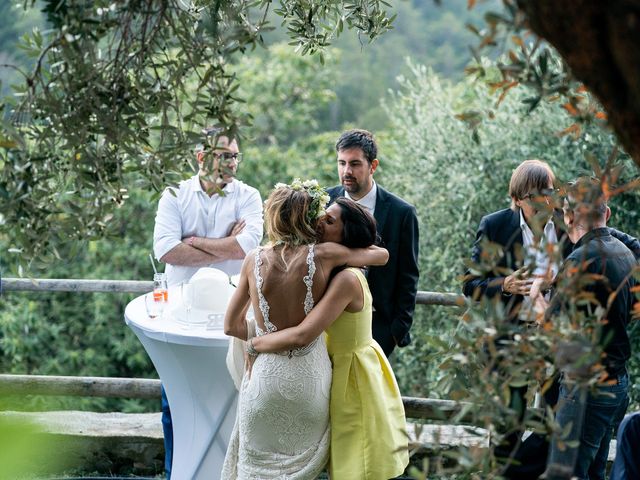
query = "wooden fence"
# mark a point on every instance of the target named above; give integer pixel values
(433, 409)
(133, 286)
(447, 411)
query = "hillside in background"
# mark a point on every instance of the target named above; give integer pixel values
(429, 34)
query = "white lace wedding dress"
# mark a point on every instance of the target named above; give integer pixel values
(282, 425)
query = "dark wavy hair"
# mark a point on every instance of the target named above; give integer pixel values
(358, 225)
(358, 138)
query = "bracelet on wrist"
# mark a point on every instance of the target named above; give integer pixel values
(251, 350)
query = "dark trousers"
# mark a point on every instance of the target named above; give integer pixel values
(167, 429)
(513, 429)
(591, 417)
(529, 460)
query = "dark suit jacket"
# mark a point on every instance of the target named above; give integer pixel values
(393, 286)
(503, 229)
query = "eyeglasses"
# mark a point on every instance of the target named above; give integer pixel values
(545, 192)
(228, 157)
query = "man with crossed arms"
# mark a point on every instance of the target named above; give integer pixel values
(210, 220)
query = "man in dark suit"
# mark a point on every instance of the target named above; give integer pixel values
(519, 240)
(510, 232)
(394, 286)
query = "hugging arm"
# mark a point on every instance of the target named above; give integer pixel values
(235, 323)
(339, 295)
(338, 255)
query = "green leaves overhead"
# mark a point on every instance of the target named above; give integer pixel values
(526, 60)
(118, 94)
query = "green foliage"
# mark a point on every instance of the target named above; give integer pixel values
(120, 90)
(82, 333)
(313, 25)
(453, 182)
(283, 92)
(14, 63)
(530, 64)
(312, 157)
(432, 35)
(25, 451)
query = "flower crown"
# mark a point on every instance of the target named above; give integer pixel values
(319, 196)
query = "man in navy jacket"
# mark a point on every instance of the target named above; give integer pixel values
(393, 286)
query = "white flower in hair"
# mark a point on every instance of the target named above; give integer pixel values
(319, 196)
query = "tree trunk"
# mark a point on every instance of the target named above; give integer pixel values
(600, 41)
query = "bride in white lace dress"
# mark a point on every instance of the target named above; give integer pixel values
(282, 425)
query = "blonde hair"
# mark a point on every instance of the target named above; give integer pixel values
(530, 176)
(287, 218)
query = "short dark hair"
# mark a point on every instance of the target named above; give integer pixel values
(358, 225)
(361, 139)
(217, 131)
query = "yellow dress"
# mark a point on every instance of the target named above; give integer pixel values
(368, 427)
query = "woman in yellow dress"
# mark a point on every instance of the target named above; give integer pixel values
(368, 427)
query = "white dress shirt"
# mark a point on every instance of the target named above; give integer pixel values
(538, 254)
(368, 201)
(188, 211)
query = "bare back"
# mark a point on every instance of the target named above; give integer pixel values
(284, 287)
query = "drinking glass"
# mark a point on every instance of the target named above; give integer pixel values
(152, 307)
(160, 291)
(187, 297)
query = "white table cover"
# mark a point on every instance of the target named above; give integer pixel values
(202, 397)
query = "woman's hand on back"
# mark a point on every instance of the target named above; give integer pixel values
(344, 289)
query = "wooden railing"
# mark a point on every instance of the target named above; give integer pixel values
(73, 285)
(134, 286)
(49, 385)
(446, 411)
(146, 388)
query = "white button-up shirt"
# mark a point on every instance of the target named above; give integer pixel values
(538, 253)
(368, 201)
(188, 211)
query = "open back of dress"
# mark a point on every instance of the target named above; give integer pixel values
(282, 427)
(284, 285)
